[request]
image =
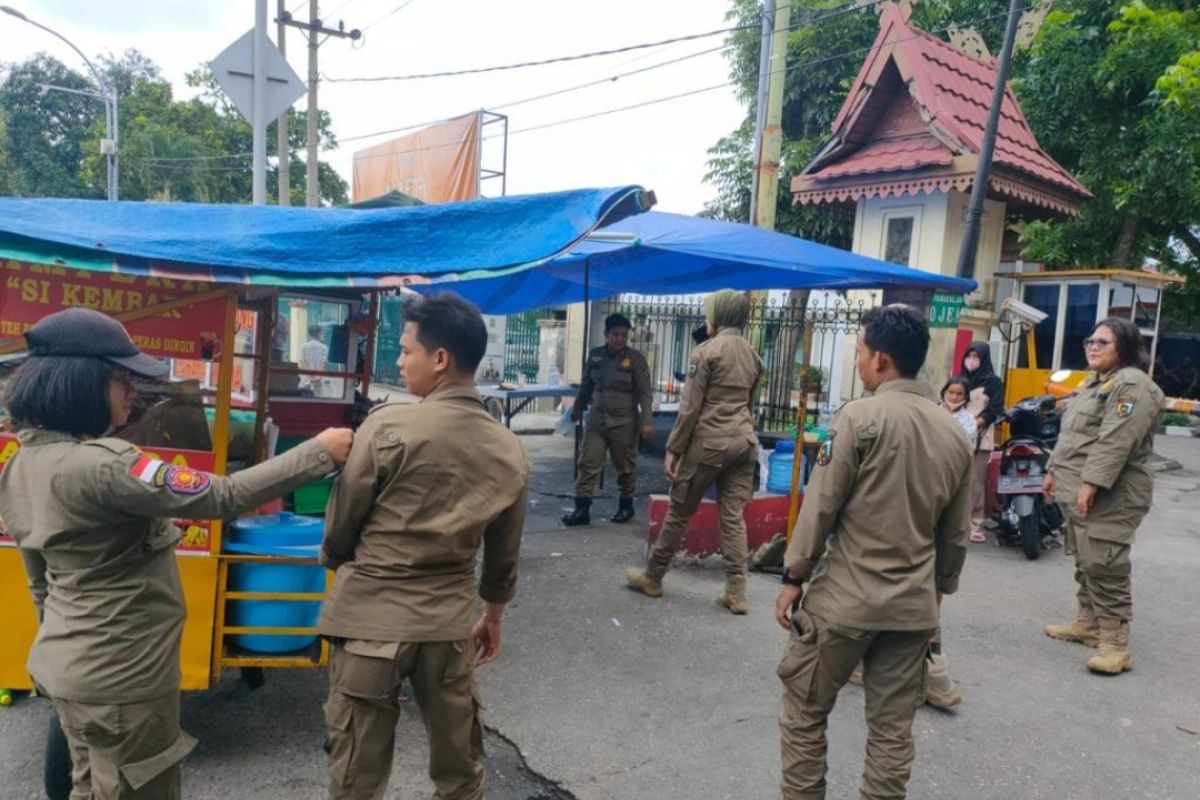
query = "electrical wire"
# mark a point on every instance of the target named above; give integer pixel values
(607, 112)
(395, 10)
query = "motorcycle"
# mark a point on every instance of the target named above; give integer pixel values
(1025, 516)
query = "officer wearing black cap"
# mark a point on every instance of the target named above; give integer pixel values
(91, 515)
(618, 398)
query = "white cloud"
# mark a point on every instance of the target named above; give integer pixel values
(661, 146)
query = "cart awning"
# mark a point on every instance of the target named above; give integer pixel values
(670, 254)
(307, 247)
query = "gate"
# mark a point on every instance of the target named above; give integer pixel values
(782, 329)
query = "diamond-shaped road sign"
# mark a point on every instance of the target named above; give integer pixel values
(234, 71)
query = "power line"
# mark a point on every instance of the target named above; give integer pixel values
(395, 10)
(644, 104)
(539, 63)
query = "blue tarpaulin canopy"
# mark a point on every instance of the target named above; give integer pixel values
(673, 254)
(309, 247)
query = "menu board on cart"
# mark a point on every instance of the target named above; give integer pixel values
(196, 532)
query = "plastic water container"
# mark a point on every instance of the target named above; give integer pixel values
(281, 534)
(779, 475)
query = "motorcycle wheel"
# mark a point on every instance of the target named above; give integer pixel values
(1031, 535)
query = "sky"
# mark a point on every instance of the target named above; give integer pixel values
(661, 146)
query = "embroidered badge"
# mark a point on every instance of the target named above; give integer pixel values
(1124, 407)
(148, 470)
(184, 480)
(625, 362)
(692, 368)
(825, 454)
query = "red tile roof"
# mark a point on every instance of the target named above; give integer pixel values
(952, 92)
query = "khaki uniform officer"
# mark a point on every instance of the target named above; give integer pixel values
(713, 441)
(881, 535)
(426, 485)
(91, 516)
(618, 398)
(1100, 477)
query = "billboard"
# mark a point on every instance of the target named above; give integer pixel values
(438, 164)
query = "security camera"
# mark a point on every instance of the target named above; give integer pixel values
(1023, 312)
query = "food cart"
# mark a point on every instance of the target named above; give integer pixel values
(228, 294)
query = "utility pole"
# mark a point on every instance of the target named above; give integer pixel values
(315, 29)
(987, 148)
(281, 124)
(768, 136)
(259, 124)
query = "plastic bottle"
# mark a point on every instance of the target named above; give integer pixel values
(553, 378)
(764, 466)
(779, 478)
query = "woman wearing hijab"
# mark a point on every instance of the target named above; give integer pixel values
(713, 441)
(986, 401)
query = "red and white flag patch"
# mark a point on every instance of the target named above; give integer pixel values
(146, 469)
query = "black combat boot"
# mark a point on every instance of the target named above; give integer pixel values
(581, 515)
(624, 511)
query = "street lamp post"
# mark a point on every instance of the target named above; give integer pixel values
(108, 94)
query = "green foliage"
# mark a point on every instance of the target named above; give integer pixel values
(1175, 419)
(826, 47)
(194, 150)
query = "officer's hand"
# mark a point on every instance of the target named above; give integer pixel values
(487, 640)
(785, 604)
(1048, 487)
(671, 464)
(1083, 502)
(337, 442)
(576, 413)
(647, 431)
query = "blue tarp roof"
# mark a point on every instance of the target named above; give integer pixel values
(674, 254)
(309, 247)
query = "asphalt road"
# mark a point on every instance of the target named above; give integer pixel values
(602, 693)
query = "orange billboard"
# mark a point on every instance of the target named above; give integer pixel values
(438, 164)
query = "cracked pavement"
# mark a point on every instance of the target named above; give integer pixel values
(601, 693)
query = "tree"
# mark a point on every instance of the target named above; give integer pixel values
(195, 150)
(826, 47)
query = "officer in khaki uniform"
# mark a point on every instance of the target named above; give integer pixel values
(618, 398)
(713, 441)
(1098, 473)
(880, 537)
(426, 485)
(92, 519)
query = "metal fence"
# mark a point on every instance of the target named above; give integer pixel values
(521, 338)
(806, 349)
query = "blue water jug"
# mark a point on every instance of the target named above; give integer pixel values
(779, 472)
(287, 535)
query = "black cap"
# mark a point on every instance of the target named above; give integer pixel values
(82, 332)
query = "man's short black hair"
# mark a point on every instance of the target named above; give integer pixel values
(617, 321)
(448, 321)
(315, 331)
(67, 394)
(899, 331)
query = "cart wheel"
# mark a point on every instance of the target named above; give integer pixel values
(56, 766)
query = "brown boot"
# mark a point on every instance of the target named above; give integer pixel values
(1082, 630)
(1114, 656)
(940, 691)
(641, 581)
(734, 597)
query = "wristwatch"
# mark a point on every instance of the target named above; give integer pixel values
(788, 580)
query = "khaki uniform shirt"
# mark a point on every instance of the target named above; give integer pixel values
(425, 485)
(1107, 438)
(886, 513)
(615, 386)
(718, 396)
(94, 516)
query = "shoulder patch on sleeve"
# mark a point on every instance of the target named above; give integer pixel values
(148, 470)
(1124, 407)
(825, 454)
(185, 480)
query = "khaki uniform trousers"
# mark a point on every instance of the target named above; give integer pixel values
(621, 443)
(363, 708)
(125, 752)
(817, 664)
(730, 465)
(1103, 569)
